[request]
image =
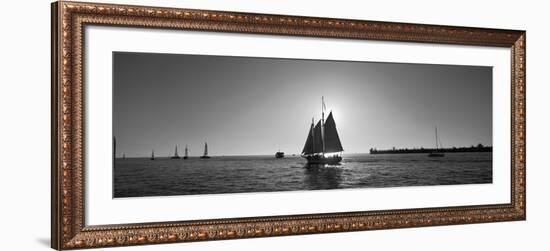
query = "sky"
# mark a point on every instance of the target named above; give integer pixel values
(256, 106)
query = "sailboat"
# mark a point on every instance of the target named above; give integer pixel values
(152, 154)
(205, 155)
(323, 144)
(114, 148)
(436, 153)
(176, 156)
(186, 155)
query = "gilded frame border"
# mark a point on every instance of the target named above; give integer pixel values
(68, 230)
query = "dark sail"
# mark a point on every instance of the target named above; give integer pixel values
(317, 138)
(205, 156)
(332, 141)
(314, 142)
(308, 147)
(176, 156)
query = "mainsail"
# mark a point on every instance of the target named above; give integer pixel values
(205, 156)
(332, 141)
(176, 156)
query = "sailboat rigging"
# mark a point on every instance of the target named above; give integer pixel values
(436, 153)
(186, 155)
(205, 155)
(323, 144)
(176, 156)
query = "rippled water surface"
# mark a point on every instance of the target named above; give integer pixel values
(135, 177)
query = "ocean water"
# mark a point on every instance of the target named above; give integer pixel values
(136, 177)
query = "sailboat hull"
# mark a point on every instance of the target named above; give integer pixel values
(436, 155)
(320, 159)
(205, 157)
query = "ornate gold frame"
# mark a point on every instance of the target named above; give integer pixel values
(68, 228)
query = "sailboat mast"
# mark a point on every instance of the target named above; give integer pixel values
(323, 124)
(436, 139)
(176, 152)
(312, 135)
(114, 148)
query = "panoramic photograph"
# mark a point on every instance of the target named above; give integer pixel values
(203, 124)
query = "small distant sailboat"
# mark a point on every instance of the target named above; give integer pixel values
(205, 155)
(152, 154)
(323, 144)
(279, 154)
(176, 156)
(186, 155)
(123, 156)
(114, 148)
(436, 153)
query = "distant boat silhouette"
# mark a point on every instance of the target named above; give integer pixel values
(186, 155)
(323, 139)
(205, 155)
(176, 156)
(152, 154)
(279, 154)
(114, 148)
(436, 153)
(123, 156)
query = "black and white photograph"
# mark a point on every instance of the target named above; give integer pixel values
(209, 124)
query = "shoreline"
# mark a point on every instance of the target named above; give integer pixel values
(472, 149)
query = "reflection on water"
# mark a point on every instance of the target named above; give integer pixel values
(322, 176)
(136, 177)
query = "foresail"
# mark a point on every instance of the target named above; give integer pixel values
(308, 147)
(332, 140)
